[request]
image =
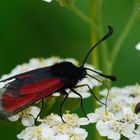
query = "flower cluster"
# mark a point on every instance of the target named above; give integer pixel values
(120, 117)
(52, 128)
(27, 116)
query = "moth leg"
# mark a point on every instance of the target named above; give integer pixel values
(91, 92)
(62, 103)
(42, 106)
(81, 102)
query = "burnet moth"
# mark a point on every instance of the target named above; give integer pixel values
(20, 91)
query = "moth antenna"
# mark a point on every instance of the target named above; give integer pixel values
(101, 40)
(110, 77)
(105, 86)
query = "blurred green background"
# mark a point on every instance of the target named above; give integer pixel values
(34, 28)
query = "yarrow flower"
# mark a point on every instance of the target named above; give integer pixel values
(53, 128)
(120, 118)
(27, 116)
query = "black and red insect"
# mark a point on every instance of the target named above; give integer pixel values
(27, 88)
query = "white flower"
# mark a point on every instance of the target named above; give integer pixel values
(27, 116)
(61, 137)
(119, 118)
(137, 134)
(48, 0)
(79, 133)
(83, 121)
(113, 129)
(138, 46)
(53, 123)
(41, 132)
(52, 128)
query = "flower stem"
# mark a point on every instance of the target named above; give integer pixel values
(104, 49)
(123, 35)
(100, 54)
(95, 9)
(95, 33)
(83, 16)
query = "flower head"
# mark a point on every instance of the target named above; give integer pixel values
(120, 117)
(52, 128)
(53, 123)
(27, 116)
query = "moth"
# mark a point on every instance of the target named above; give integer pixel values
(22, 90)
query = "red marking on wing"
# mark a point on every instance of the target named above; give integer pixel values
(24, 76)
(10, 104)
(44, 88)
(39, 86)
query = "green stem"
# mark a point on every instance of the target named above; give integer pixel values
(95, 7)
(95, 33)
(96, 10)
(84, 17)
(104, 48)
(95, 55)
(93, 26)
(123, 35)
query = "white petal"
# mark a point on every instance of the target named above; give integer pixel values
(127, 110)
(92, 117)
(14, 118)
(137, 120)
(103, 132)
(46, 131)
(102, 127)
(80, 132)
(28, 121)
(83, 121)
(47, 0)
(114, 135)
(28, 134)
(128, 134)
(119, 115)
(130, 127)
(72, 60)
(33, 62)
(138, 46)
(20, 136)
(52, 60)
(62, 137)
(83, 94)
(136, 137)
(34, 110)
(128, 130)
(137, 131)
(56, 94)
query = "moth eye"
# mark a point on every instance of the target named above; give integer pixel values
(137, 108)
